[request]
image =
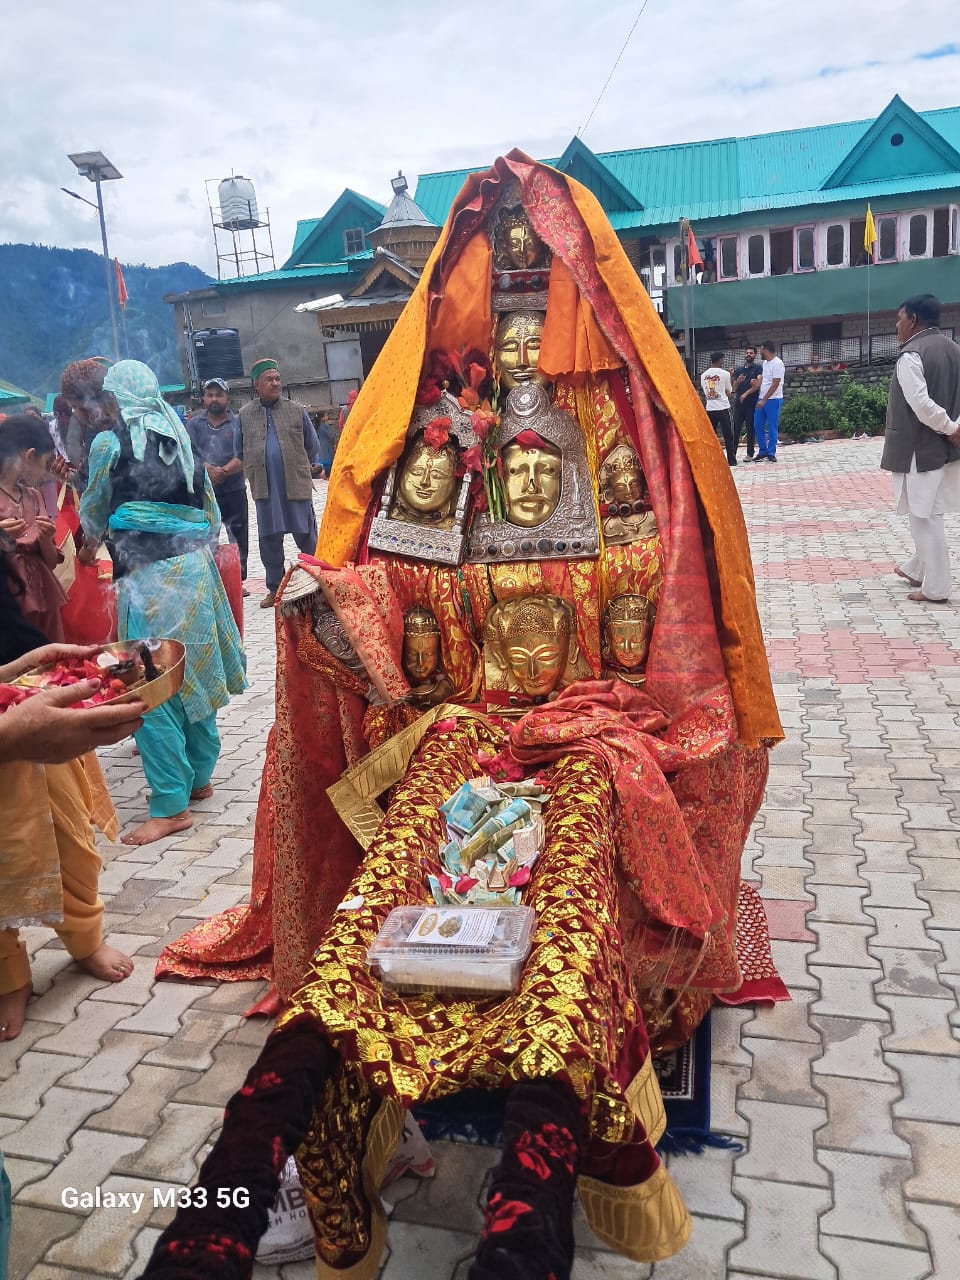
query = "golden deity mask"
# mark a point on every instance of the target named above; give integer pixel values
(423, 658)
(532, 479)
(423, 508)
(427, 485)
(516, 246)
(624, 505)
(530, 649)
(516, 348)
(627, 629)
(551, 514)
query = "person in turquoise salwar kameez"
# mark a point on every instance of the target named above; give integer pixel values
(149, 498)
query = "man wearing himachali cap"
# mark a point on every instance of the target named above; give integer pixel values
(280, 452)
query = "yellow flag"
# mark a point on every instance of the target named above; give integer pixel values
(869, 234)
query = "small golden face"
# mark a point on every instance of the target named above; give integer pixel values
(524, 246)
(626, 482)
(428, 479)
(533, 483)
(517, 348)
(629, 643)
(421, 656)
(537, 662)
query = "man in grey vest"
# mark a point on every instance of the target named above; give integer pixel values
(281, 452)
(922, 443)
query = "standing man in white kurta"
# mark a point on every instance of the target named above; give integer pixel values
(921, 446)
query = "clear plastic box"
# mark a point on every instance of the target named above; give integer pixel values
(474, 951)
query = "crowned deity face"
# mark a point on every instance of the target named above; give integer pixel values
(621, 474)
(524, 246)
(427, 485)
(628, 626)
(421, 644)
(517, 348)
(537, 644)
(533, 482)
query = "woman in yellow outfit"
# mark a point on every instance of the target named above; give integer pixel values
(51, 795)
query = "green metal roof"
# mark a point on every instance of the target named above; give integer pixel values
(347, 268)
(11, 395)
(724, 177)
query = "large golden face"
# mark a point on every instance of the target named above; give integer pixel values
(533, 482)
(537, 662)
(517, 348)
(428, 479)
(421, 656)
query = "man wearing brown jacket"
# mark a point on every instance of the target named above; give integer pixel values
(281, 454)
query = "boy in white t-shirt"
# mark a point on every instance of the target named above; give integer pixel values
(766, 416)
(717, 390)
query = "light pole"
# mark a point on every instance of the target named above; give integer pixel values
(95, 166)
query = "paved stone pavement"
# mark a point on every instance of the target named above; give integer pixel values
(846, 1101)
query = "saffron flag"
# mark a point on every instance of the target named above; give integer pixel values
(869, 234)
(121, 284)
(693, 253)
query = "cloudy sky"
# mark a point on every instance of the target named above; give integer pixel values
(309, 96)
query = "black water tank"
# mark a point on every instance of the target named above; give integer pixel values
(218, 354)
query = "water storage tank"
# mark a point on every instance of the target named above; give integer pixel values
(238, 203)
(218, 354)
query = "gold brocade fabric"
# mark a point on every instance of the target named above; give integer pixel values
(439, 589)
(573, 1015)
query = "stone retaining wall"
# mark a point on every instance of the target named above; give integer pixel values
(826, 382)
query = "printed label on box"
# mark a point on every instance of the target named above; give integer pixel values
(452, 926)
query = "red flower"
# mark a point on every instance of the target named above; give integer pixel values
(519, 878)
(428, 392)
(438, 432)
(529, 440)
(482, 421)
(502, 1214)
(471, 459)
(559, 1143)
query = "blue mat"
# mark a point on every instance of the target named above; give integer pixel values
(476, 1115)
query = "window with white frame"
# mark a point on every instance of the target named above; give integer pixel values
(835, 245)
(729, 267)
(756, 254)
(804, 258)
(354, 240)
(886, 246)
(955, 228)
(917, 237)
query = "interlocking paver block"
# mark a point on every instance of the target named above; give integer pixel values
(848, 993)
(22, 1172)
(83, 1035)
(843, 944)
(791, 961)
(920, 1025)
(884, 855)
(904, 930)
(942, 1225)
(704, 1183)
(725, 1081)
(945, 908)
(775, 1128)
(785, 1020)
(931, 1086)
(852, 1048)
(191, 1048)
(936, 1161)
(224, 1077)
(89, 1161)
(162, 1013)
(35, 1229)
(59, 1004)
(62, 1111)
(860, 1118)
(864, 1260)
(22, 1094)
(781, 1072)
(868, 1201)
(704, 1256)
(169, 1153)
(108, 1069)
(104, 1243)
(839, 903)
(137, 1109)
(781, 1240)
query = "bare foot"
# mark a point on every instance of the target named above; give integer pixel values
(107, 963)
(157, 828)
(13, 1011)
(202, 793)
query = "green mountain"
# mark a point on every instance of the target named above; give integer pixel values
(55, 310)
